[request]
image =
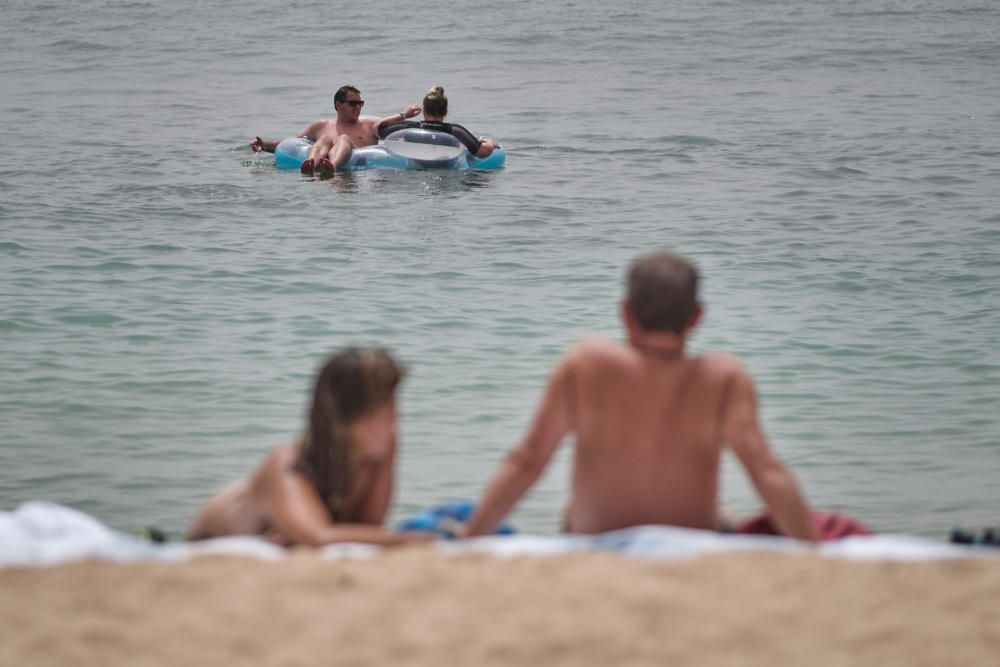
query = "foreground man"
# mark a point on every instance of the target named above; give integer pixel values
(337, 138)
(650, 423)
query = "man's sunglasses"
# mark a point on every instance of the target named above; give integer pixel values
(354, 103)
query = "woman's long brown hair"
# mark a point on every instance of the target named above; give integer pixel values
(351, 384)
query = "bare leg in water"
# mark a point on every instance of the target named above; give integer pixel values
(327, 154)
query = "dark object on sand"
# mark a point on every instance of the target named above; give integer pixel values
(988, 537)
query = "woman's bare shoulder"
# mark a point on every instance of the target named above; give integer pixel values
(278, 462)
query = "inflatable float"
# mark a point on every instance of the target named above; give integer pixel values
(412, 148)
(447, 520)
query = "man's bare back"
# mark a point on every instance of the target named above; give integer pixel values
(648, 437)
(650, 423)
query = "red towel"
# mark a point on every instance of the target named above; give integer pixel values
(829, 525)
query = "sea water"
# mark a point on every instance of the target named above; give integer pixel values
(167, 295)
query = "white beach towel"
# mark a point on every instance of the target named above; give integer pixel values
(44, 533)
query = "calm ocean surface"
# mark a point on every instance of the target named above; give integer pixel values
(165, 298)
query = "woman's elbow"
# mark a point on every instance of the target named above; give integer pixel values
(486, 148)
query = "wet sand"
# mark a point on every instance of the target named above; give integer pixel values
(418, 607)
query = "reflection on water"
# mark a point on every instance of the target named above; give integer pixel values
(416, 182)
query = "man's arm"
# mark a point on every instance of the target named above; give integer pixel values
(773, 481)
(313, 131)
(259, 145)
(525, 463)
(397, 121)
(408, 112)
(309, 133)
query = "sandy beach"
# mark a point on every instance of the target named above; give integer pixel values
(419, 607)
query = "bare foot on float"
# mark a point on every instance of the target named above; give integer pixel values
(324, 167)
(307, 167)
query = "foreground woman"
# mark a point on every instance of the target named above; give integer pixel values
(336, 483)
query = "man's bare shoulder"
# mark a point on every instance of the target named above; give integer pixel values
(371, 124)
(595, 347)
(321, 127)
(722, 366)
(595, 355)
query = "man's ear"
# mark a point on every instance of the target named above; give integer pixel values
(695, 318)
(628, 319)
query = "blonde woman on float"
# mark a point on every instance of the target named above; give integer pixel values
(435, 108)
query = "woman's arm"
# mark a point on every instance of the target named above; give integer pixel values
(480, 147)
(296, 512)
(487, 147)
(374, 505)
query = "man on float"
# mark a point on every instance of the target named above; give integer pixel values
(335, 139)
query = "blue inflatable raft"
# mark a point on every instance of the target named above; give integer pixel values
(411, 148)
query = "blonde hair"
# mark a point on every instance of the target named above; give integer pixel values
(435, 102)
